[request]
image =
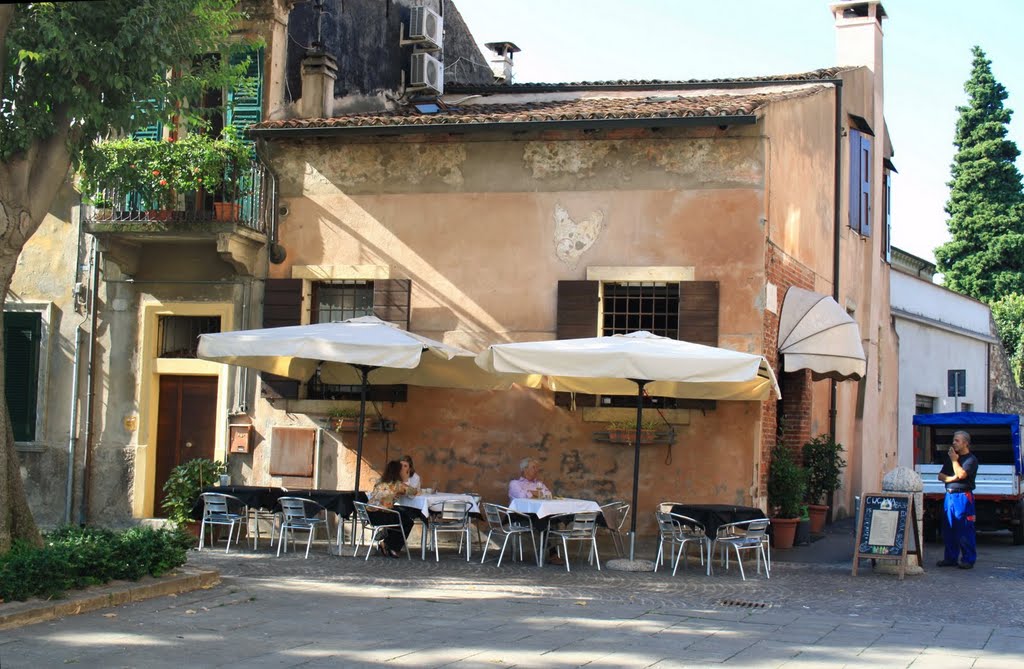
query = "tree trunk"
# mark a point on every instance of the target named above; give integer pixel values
(28, 185)
(16, 521)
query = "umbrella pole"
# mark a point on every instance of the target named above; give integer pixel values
(363, 386)
(636, 462)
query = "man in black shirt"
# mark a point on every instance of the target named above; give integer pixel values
(958, 508)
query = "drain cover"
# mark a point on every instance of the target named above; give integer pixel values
(745, 604)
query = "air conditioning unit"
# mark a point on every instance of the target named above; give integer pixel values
(427, 72)
(426, 26)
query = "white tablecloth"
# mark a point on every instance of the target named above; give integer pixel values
(553, 507)
(423, 502)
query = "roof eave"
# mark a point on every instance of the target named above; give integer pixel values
(503, 126)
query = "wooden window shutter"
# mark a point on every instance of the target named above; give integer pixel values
(576, 318)
(855, 179)
(21, 357)
(391, 301)
(865, 185)
(245, 101)
(698, 312)
(886, 245)
(282, 306)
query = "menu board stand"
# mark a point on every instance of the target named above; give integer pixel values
(882, 529)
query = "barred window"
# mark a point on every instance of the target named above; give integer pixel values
(178, 336)
(340, 300)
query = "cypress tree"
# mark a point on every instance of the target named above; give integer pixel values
(985, 258)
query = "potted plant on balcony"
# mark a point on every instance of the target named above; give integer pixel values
(824, 465)
(786, 485)
(624, 431)
(344, 419)
(185, 484)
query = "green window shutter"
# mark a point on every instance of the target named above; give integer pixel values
(21, 357)
(245, 102)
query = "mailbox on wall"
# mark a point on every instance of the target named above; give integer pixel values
(239, 438)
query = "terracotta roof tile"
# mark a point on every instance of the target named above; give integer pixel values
(579, 109)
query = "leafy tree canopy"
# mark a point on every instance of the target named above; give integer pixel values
(1008, 313)
(96, 67)
(985, 258)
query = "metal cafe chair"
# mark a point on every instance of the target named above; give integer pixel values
(745, 535)
(582, 528)
(678, 531)
(221, 509)
(500, 524)
(451, 515)
(363, 511)
(305, 515)
(615, 514)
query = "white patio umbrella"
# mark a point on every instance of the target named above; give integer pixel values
(359, 351)
(624, 364)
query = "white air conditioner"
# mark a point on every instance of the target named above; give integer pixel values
(427, 72)
(426, 26)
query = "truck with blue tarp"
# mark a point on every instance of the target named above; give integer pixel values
(999, 490)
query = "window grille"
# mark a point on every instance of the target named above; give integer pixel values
(178, 336)
(632, 306)
(340, 300)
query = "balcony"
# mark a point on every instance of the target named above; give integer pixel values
(233, 217)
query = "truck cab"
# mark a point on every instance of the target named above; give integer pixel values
(999, 491)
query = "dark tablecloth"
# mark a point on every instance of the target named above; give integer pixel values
(340, 502)
(712, 516)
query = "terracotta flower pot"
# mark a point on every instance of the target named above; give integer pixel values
(226, 211)
(818, 513)
(783, 532)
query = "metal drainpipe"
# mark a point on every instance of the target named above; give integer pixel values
(90, 389)
(72, 433)
(837, 194)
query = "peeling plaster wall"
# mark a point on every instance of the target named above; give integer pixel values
(480, 227)
(43, 280)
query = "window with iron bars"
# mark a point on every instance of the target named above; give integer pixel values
(178, 336)
(631, 306)
(340, 300)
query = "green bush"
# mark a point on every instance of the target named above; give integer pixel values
(824, 466)
(74, 557)
(185, 484)
(786, 483)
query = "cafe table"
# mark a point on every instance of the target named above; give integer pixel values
(423, 502)
(713, 516)
(546, 508)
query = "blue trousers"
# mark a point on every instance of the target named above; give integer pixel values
(958, 527)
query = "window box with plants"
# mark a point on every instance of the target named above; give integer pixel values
(823, 462)
(786, 486)
(624, 432)
(158, 179)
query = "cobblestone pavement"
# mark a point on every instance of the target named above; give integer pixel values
(345, 612)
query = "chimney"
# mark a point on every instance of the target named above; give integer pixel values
(859, 33)
(319, 70)
(502, 65)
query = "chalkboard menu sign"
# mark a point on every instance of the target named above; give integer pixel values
(882, 529)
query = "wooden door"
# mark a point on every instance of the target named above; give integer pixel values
(186, 426)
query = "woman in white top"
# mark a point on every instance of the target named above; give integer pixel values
(409, 475)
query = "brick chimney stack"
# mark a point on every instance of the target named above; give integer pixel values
(319, 70)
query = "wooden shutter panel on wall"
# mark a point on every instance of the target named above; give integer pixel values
(865, 185)
(698, 312)
(576, 318)
(391, 301)
(282, 306)
(21, 357)
(854, 164)
(245, 101)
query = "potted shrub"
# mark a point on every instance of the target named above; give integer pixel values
(824, 464)
(344, 419)
(185, 484)
(786, 485)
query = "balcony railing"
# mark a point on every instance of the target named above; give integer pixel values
(239, 201)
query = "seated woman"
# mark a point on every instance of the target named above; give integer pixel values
(409, 475)
(389, 488)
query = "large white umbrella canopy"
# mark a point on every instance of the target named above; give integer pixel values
(627, 364)
(359, 351)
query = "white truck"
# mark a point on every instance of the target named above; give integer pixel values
(999, 491)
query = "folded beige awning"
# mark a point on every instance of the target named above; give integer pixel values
(815, 333)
